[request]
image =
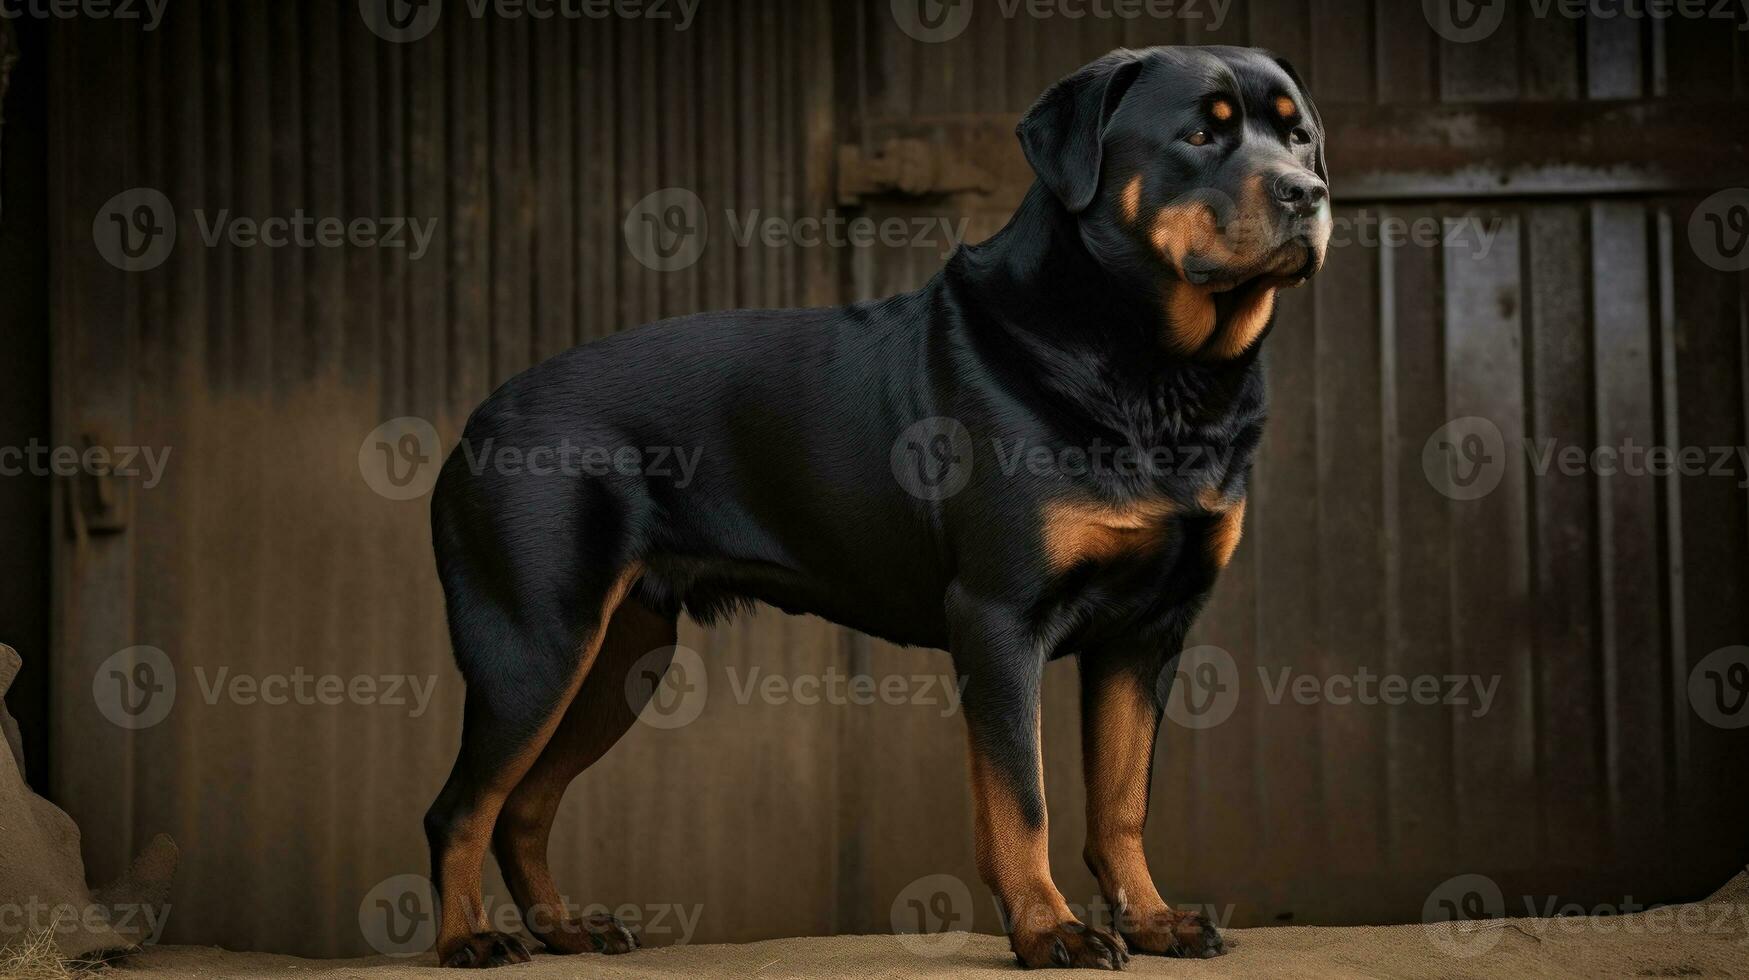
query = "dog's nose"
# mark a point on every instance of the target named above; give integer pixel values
(1301, 193)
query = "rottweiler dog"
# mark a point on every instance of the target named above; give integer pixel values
(858, 463)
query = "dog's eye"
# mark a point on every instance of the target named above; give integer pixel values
(1300, 135)
(1198, 138)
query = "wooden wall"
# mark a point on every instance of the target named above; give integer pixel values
(264, 550)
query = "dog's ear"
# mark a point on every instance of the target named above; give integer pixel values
(1063, 134)
(1311, 110)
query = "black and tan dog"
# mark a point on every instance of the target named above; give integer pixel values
(1122, 307)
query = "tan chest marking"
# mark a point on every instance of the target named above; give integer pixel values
(1076, 532)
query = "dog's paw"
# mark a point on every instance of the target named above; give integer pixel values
(596, 934)
(1070, 944)
(484, 949)
(1173, 933)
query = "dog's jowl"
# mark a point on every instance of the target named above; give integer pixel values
(1125, 304)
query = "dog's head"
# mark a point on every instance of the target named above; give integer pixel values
(1200, 167)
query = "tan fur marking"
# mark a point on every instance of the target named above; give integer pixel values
(1183, 229)
(1245, 324)
(1225, 538)
(1131, 200)
(1118, 731)
(1222, 110)
(1075, 531)
(1286, 107)
(595, 720)
(1013, 856)
(463, 913)
(1190, 317)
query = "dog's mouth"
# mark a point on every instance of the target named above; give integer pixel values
(1294, 260)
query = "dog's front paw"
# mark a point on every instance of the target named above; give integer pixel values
(595, 933)
(1173, 933)
(484, 949)
(1070, 944)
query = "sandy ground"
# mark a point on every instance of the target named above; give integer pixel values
(1708, 939)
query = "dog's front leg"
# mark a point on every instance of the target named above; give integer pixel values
(1122, 698)
(1002, 670)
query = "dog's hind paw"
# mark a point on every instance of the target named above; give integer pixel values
(484, 949)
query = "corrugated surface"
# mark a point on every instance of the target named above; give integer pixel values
(264, 550)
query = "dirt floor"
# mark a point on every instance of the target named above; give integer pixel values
(1708, 939)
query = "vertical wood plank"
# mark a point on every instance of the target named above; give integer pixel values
(1490, 550)
(1573, 831)
(1629, 551)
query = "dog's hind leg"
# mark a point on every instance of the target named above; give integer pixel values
(520, 680)
(604, 709)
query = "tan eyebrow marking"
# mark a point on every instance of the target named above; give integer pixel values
(1132, 198)
(1222, 109)
(1285, 106)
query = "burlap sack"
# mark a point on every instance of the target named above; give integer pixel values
(42, 877)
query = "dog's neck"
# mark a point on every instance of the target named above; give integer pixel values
(1081, 325)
